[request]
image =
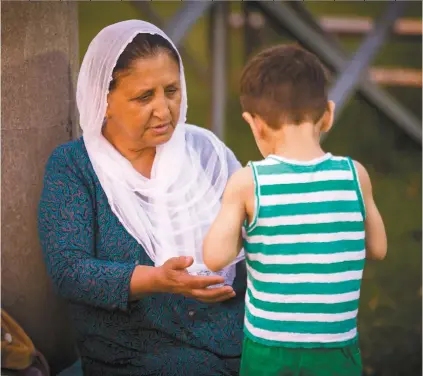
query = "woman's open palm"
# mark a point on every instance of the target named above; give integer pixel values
(175, 279)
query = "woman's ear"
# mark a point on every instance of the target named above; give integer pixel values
(327, 120)
(108, 113)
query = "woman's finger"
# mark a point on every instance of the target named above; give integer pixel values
(213, 294)
(199, 282)
(219, 299)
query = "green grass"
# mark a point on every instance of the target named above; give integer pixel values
(391, 310)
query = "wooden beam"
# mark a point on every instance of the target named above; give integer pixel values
(338, 24)
(396, 77)
(362, 25)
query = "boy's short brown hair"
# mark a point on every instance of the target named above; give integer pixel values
(285, 84)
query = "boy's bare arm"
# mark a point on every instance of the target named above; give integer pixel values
(376, 242)
(224, 239)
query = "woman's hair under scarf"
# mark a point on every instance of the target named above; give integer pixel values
(170, 213)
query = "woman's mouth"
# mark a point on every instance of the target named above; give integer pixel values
(161, 129)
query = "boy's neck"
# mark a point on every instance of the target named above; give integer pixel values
(297, 142)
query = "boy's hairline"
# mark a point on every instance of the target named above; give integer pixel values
(285, 120)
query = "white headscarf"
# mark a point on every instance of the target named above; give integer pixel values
(170, 213)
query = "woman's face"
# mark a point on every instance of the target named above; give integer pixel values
(143, 109)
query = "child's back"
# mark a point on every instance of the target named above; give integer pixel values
(305, 252)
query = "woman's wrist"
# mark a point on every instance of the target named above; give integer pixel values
(145, 280)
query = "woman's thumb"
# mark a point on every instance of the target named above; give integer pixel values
(181, 262)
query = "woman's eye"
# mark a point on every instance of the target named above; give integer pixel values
(171, 90)
(144, 98)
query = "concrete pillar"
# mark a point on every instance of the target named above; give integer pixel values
(39, 62)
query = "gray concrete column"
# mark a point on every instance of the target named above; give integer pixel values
(39, 62)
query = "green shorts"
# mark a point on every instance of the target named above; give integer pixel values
(261, 360)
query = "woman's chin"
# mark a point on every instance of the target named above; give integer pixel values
(162, 138)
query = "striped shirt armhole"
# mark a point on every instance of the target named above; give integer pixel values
(253, 223)
(357, 187)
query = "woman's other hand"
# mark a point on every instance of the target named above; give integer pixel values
(173, 277)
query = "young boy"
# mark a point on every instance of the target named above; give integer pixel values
(309, 222)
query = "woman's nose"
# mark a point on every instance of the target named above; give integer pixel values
(161, 107)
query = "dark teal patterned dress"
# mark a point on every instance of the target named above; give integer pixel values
(90, 258)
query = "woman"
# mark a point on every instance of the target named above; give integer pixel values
(123, 213)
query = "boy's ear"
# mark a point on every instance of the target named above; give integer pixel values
(327, 120)
(254, 125)
(248, 118)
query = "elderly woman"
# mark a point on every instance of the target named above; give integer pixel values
(124, 211)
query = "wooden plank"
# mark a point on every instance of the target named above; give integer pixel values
(360, 25)
(396, 76)
(337, 25)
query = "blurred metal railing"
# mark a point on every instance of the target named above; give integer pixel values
(219, 59)
(349, 78)
(303, 27)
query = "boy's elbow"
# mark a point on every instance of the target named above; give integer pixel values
(375, 257)
(377, 254)
(380, 255)
(213, 267)
(209, 257)
(210, 262)
(215, 253)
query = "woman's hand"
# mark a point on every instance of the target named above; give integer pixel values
(172, 277)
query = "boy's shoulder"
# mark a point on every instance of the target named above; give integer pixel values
(241, 182)
(263, 162)
(243, 176)
(327, 159)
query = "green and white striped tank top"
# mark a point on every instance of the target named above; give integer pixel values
(305, 253)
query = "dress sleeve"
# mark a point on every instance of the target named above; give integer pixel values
(233, 163)
(66, 224)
